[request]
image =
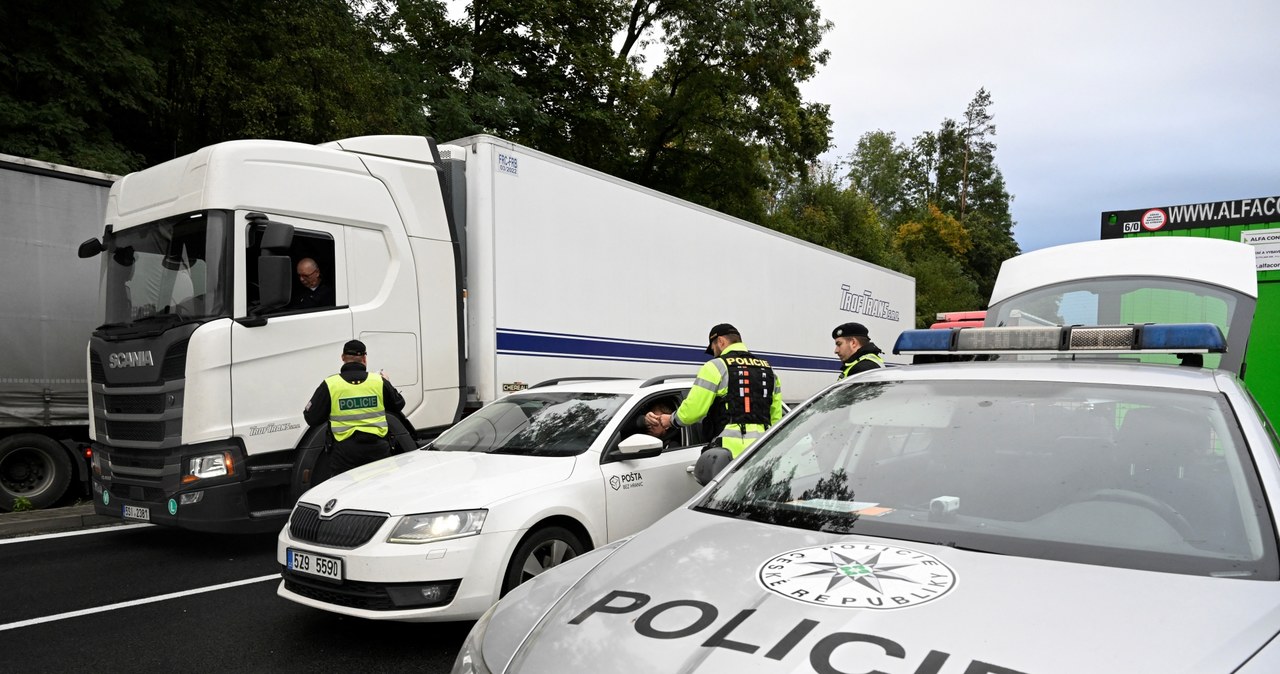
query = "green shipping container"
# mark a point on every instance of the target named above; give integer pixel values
(1252, 221)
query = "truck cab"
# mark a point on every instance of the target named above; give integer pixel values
(195, 370)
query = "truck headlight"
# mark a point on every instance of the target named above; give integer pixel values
(209, 465)
(470, 659)
(430, 527)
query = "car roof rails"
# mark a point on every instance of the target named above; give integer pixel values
(662, 379)
(561, 380)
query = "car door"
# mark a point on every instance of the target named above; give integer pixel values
(639, 491)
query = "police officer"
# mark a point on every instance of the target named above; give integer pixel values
(855, 349)
(737, 393)
(355, 403)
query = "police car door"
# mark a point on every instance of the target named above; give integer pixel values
(640, 491)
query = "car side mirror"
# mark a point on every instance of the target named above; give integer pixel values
(640, 446)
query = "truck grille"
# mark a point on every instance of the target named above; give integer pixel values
(175, 362)
(344, 530)
(97, 374)
(134, 404)
(136, 431)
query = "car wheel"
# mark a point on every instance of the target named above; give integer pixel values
(540, 550)
(33, 467)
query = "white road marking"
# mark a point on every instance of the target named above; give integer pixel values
(136, 602)
(78, 532)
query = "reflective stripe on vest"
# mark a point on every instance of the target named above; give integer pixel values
(873, 357)
(356, 407)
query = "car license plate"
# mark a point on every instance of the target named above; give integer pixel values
(137, 513)
(312, 564)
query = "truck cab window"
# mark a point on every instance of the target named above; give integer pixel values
(312, 260)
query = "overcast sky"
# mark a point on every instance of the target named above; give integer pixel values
(1099, 105)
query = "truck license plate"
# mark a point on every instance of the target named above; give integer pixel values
(315, 565)
(137, 513)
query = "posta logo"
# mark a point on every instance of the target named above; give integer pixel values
(857, 575)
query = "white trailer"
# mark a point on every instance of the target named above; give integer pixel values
(469, 269)
(45, 210)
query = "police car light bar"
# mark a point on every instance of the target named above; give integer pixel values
(1145, 338)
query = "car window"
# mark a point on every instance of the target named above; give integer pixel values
(533, 424)
(634, 424)
(1125, 476)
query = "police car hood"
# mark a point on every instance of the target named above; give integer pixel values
(425, 481)
(702, 593)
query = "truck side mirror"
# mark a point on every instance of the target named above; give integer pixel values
(274, 289)
(276, 236)
(90, 249)
(274, 270)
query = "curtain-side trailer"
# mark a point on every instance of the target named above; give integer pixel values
(45, 210)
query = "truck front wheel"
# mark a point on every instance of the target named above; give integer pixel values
(33, 467)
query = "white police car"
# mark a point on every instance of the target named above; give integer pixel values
(521, 485)
(1068, 515)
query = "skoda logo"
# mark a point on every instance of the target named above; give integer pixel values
(857, 575)
(328, 507)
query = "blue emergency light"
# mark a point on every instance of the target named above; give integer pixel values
(1144, 338)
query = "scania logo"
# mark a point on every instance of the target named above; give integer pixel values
(857, 575)
(328, 507)
(130, 359)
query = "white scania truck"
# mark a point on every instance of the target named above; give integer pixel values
(468, 269)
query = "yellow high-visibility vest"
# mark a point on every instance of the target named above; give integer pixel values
(356, 407)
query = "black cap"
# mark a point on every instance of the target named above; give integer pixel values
(354, 347)
(850, 330)
(721, 330)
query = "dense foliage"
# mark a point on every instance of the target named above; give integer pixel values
(696, 98)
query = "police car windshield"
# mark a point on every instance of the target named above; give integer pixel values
(1117, 475)
(534, 424)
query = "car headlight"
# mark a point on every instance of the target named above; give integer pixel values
(470, 659)
(209, 465)
(430, 527)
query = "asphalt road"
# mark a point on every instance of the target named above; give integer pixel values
(96, 601)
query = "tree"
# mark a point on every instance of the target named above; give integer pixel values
(68, 75)
(300, 70)
(879, 168)
(821, 211)
(725, 106)
(718, 120)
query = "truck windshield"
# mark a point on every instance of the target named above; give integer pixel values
(534, 424)
(169, 270)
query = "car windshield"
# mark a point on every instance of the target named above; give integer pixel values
(533, 424)
(1116, 475)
